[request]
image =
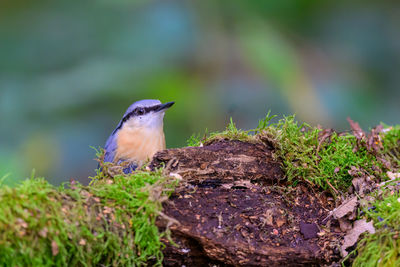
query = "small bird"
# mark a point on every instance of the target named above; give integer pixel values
(139, 134)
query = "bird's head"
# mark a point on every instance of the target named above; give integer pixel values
(145, 114)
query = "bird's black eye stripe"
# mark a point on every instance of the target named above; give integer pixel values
(139, 111)
(144, 110)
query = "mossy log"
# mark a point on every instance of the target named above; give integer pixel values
(234, 208)
(240, 200)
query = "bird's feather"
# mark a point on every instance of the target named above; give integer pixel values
(139, 144)
(110, 147)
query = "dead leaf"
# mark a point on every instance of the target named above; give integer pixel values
(323, 136)
(353, 171)
(362, 185)
(348, 206)
(176, 175)
(280, 221)
(345, 224)
(22, 223)
(393, 176)
(107, 210)
(268, 217)
(374, 142)
(43, 232)
(82, 242)
(385, 162)
(54, 248)
(360, 226)
(357, 131)
(86, 194)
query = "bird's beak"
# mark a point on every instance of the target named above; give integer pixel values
(164, 106)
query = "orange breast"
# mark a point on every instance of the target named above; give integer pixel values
(138, 145)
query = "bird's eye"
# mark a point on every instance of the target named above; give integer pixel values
(140, 111)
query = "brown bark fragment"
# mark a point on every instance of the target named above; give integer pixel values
(222, 162)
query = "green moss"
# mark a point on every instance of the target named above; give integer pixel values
(383, 247)
(304, 154)
(231, 133)
(324, 162)
(391, 145)
(140, 196)
(111, 223)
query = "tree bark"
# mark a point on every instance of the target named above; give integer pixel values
(234, 208)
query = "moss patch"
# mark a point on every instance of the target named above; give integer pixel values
(391, 145)
(320, 157)
(383, 247)
(231, 132)
(111, 222)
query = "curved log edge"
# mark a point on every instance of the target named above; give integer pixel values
(222, 162)
(233, 208)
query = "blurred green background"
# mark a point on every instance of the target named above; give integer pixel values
(69, 69)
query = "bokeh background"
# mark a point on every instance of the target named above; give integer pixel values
(69, 69)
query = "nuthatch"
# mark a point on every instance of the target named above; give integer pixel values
(139, 134)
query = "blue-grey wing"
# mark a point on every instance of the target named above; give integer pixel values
(110, 148)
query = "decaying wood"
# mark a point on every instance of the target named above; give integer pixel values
(233, 208)
(222, 162)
